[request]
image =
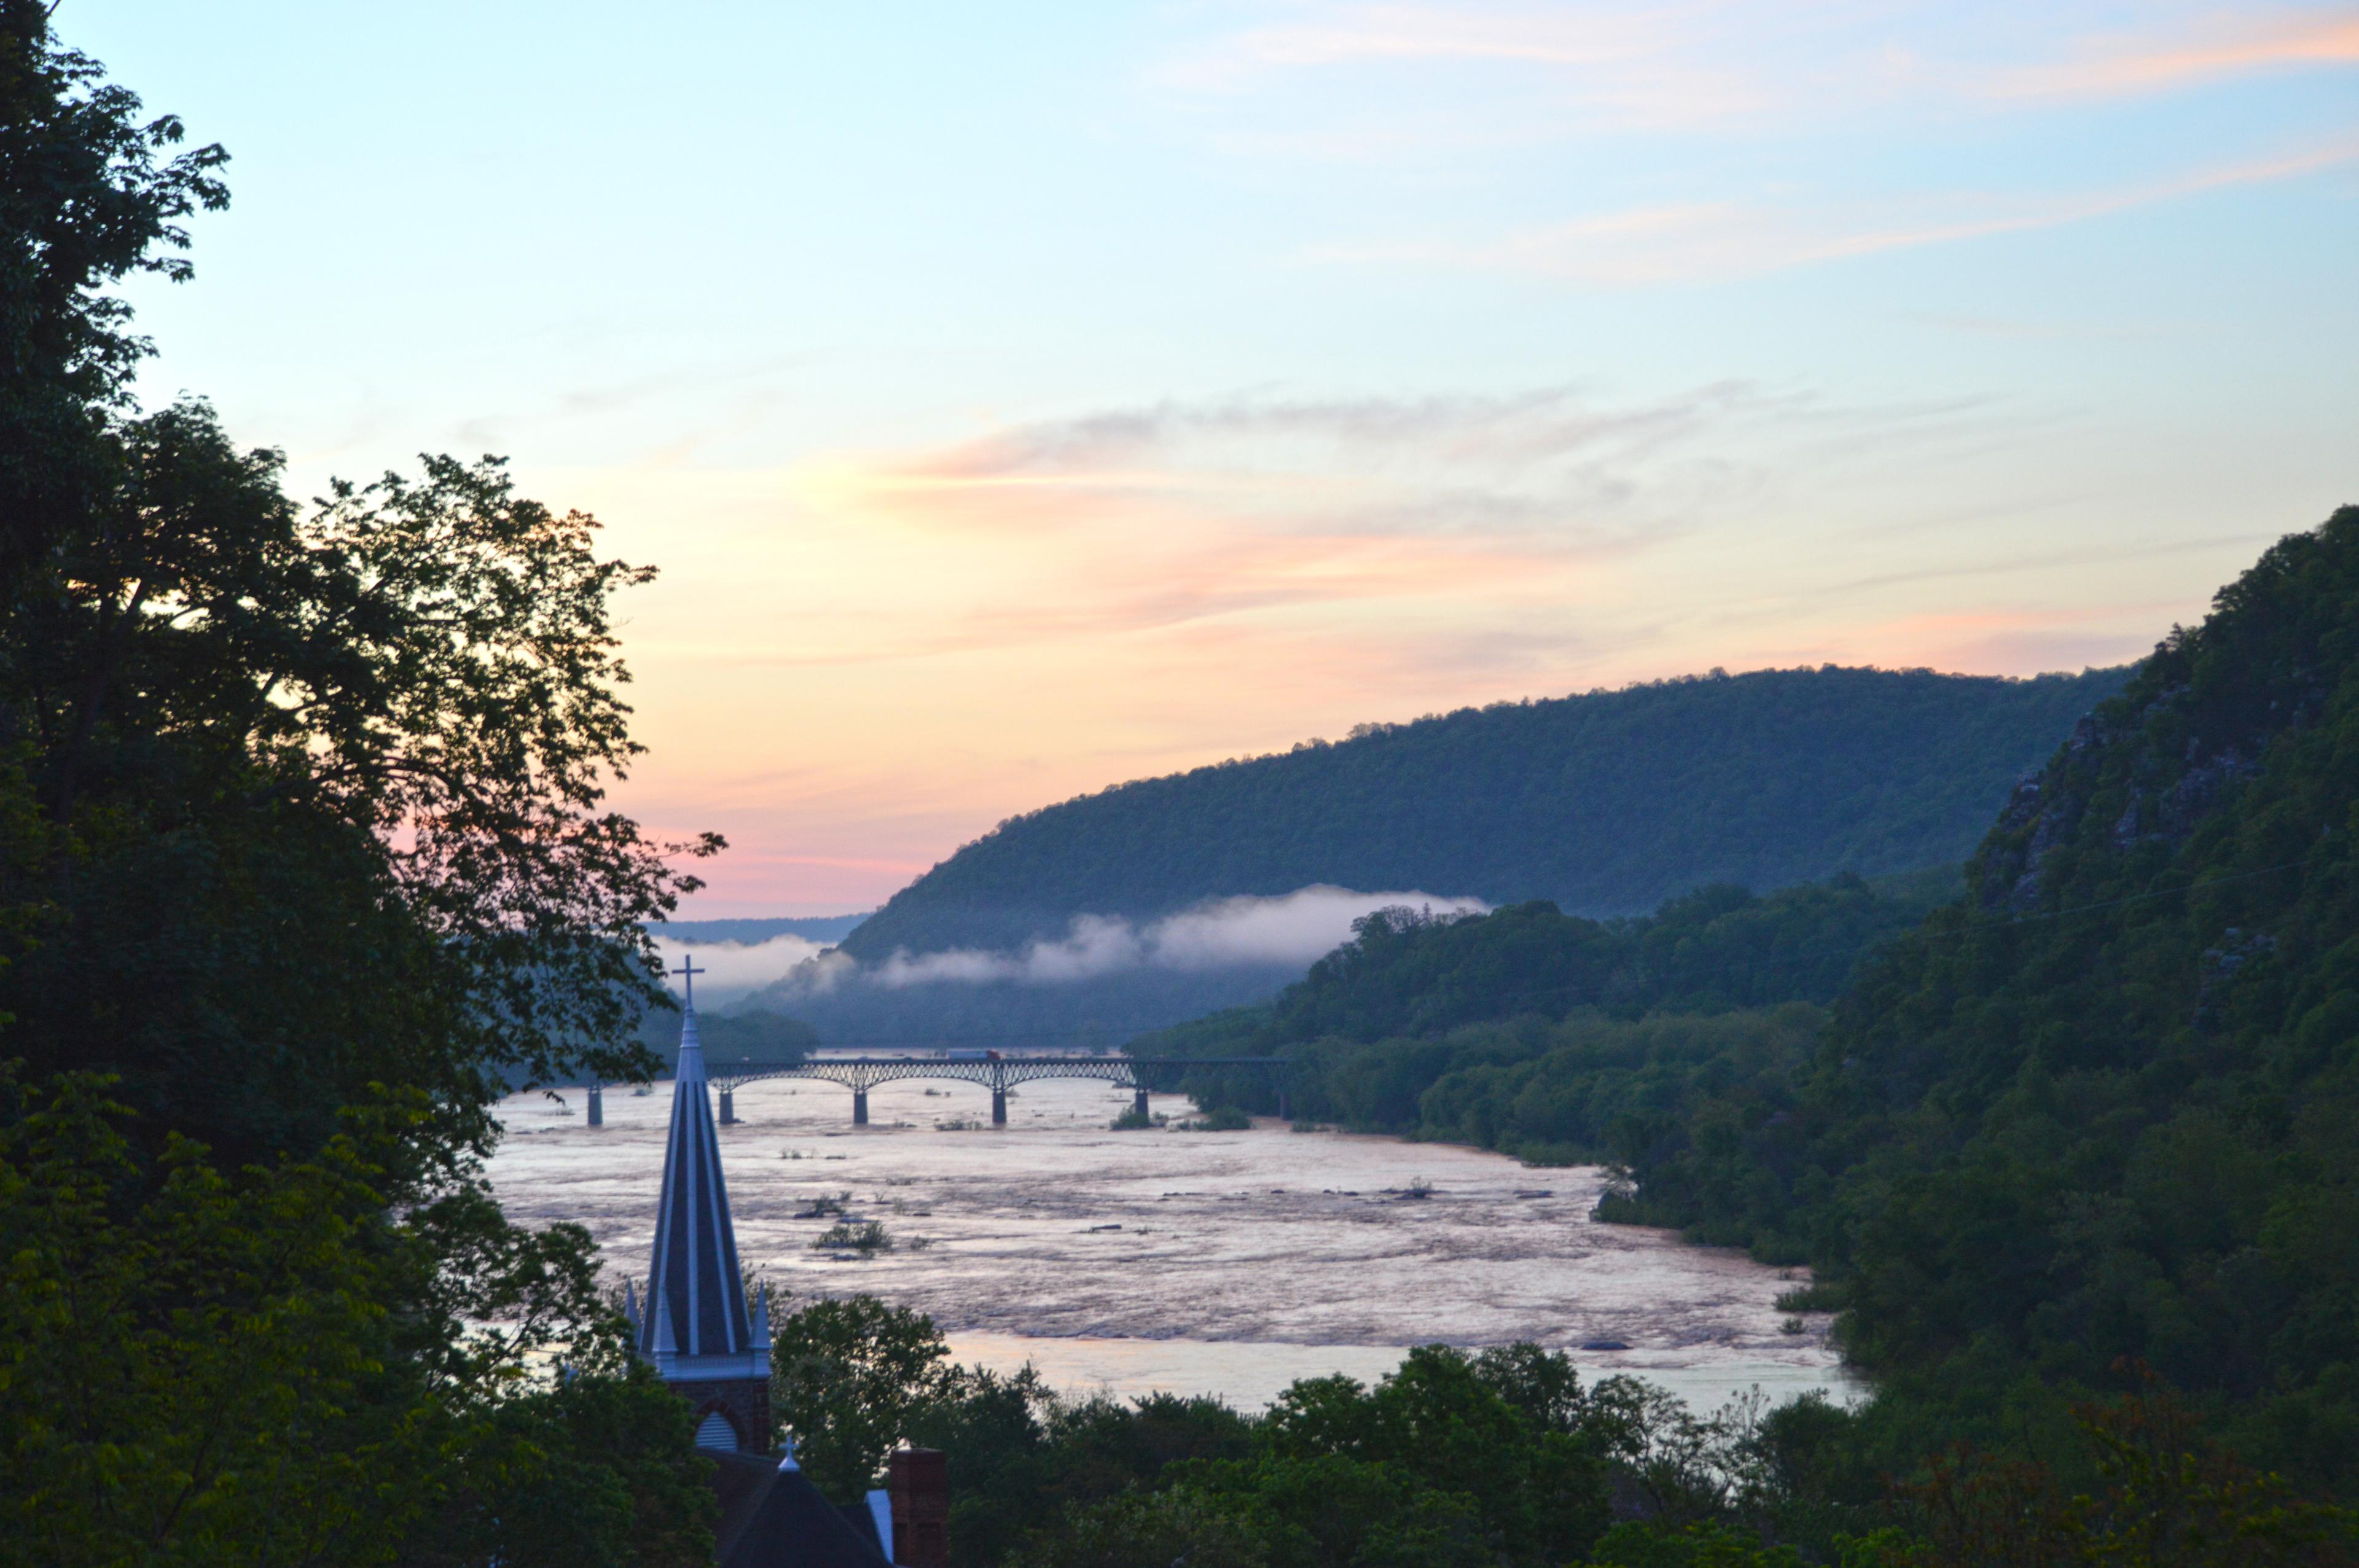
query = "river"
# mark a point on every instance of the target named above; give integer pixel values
(1227, 1263)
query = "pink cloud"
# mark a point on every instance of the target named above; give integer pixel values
(1145, 519)
(1703, 66)
(2131, 65)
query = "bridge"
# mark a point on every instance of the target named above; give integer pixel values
(996, 1072)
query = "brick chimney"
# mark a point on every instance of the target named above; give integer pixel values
(919, 1481)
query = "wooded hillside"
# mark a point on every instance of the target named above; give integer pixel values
(1606, 803)
(2097, 1114)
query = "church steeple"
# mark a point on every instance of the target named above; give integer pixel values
(696, 1325)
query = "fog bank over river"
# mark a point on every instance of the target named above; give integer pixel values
(1229, 1264)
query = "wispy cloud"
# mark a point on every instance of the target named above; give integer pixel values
(2016, 564)
(1721, 61)
(1259, 509)
(2051, 331)
(1551, 460)
(1407, 32)
(1635, 66)
(1365, 533)
(2213, 50)
(1713, 241)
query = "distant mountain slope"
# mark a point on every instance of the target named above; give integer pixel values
(1606, 803)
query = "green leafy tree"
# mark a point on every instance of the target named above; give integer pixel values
(1711, 1545)
(272, 755)
(1468, 1427)
(1138, 1527)
(91, 193)
(1022, 1456)
(274, 1367)
(1453, 1459)
(2166, 1495)
(304, 850)
(397, 712)
(848, 1379)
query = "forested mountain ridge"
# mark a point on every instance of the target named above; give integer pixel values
(2104, 1106)
(2098, 1113)
(1605, 802)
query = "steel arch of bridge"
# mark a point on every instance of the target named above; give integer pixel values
(997, 1074)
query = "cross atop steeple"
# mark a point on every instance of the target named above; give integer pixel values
(695, 1325)
(688, 971)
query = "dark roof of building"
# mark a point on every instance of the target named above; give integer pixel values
(862, 1520)
(775, 1519)
(695, 1294)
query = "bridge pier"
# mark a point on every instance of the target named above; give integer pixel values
(728, 1107)
(597, 1107)
(1138, 1104)
(860, 1108)
(1281, 1106)
(998, 1107)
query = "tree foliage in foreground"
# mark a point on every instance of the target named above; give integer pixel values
(275, 1366)
(846, 1377)
(320, 792)
(1506, 1457)
(304, 858)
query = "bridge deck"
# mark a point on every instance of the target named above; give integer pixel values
(862, 1073)
(998, 1074)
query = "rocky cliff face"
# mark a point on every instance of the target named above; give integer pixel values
(2148, 768)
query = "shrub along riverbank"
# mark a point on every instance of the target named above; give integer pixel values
(1496, 1459)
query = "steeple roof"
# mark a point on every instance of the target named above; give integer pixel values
(696, 1299)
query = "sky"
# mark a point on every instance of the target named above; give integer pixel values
(1020, 399)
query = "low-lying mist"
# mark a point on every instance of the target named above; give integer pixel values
(1104, 979)
(729, 971)
(1291, 931)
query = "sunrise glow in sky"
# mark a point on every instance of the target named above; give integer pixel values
(1019, 399)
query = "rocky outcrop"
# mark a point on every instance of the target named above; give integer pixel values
(2145, 772)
